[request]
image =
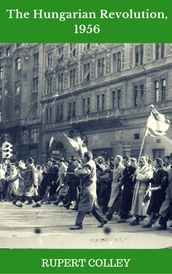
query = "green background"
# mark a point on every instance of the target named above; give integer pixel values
(49, 31)
(29, 261)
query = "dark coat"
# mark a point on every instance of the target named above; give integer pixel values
(127, 194)
(160, 179)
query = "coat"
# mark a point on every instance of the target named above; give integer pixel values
(128, 183)
(87, 175)
(160, 179)
(116, 188)
(167, 204)
(13, 182)
(31, 181)
(144, 174)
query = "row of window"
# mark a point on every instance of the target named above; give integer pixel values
(138, 52)
(101, 70)
(138, 57)
(116, 101)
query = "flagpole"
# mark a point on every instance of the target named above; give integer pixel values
(142, 145)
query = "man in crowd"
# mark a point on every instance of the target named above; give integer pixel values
(88, 197)
(114, 203)
(144, 174)
(158, 187)
(128, 182)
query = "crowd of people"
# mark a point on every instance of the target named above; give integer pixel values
(122, 186)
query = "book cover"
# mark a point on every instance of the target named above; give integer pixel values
(85, 136)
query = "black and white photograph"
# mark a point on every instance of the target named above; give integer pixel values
(86, 146)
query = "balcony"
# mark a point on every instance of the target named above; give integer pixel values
(19, 123)
(106, 114)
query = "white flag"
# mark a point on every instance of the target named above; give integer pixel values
(157, 123)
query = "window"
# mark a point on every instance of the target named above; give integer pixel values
(72, 50)
(83, 106)
(59, 112)
(35, 109)
(34, 134)
(86, 46)
(159, 51)
(142, 94)
(69, 110)
(36, 59)
(160, 90)
(72, 78)
(60, 81)
(117, 62)
(0, 116)
(18, 64)
(73, 110)
(113, 99)
(49, 115)
(136, 136)
(49, 86)
(35, 84)
(98, 103)
(103, 102)
(17, 88)
(0, 93)
(1, 72)
(163, 90)
(157, 92)
(135, 96)
(86, 72)
(139, 55)
(100, 67)
(88, 105)
(138, 95)
(119, 99)
(60, 56)
(49, 59)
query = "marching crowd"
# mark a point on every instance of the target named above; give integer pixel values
(116, 186)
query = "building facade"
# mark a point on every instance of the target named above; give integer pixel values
(21, 83)
(101, 92)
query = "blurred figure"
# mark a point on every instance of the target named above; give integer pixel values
(158, 187)
(2, 181)
(13, 182)
(128, 182)
(114, 202)
(144, 174)
(31, 181)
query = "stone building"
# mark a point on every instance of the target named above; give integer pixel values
(101, 92)
(21, 77)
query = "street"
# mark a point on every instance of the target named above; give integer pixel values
(48, 227)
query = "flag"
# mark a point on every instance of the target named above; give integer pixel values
(51, 141)
(77, 144)
(72, 142)
(157, 124)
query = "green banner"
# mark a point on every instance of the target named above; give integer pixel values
(85, 261)
(86, 21)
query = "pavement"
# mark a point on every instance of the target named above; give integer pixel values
(48, 227)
